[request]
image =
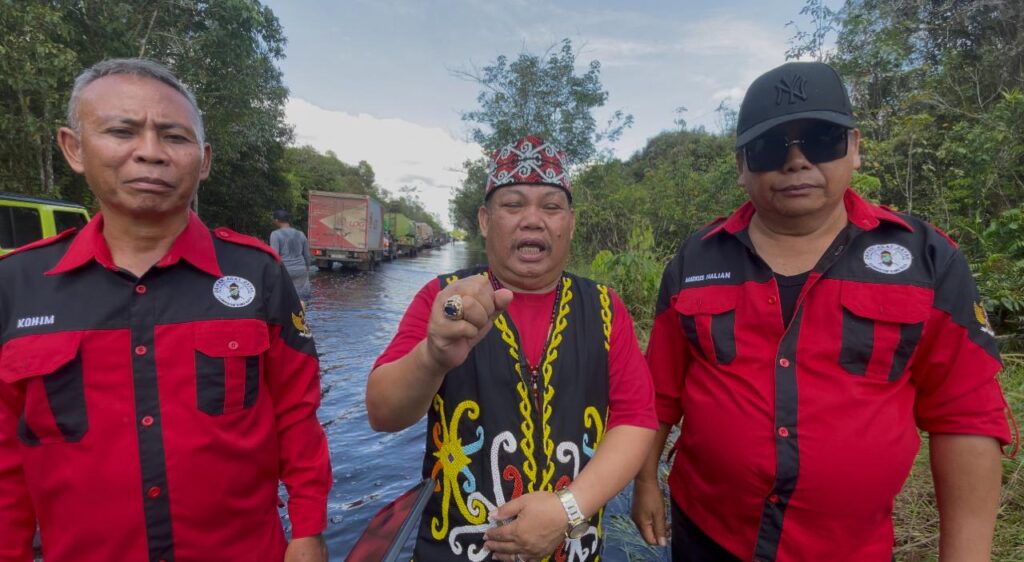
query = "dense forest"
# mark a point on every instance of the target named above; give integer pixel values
(226, 51)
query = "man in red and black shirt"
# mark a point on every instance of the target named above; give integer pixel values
(157, 380)
(803, 340)
(539, 404)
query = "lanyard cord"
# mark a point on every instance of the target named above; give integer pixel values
(526, 367)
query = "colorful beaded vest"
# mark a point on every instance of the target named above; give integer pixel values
(496, 432)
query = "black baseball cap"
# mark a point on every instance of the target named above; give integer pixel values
(281, 215)
(795, 90)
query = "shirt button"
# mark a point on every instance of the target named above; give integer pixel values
(773, 498)
(140, 350)
(783, 432)
(772, 300)
(784, 362)
(147, 421)
(140, 289)
(153, 492)
(232, 345)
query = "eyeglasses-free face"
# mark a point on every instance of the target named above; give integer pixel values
(819, 142)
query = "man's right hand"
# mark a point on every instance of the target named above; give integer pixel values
(648, 511)
(449, 341)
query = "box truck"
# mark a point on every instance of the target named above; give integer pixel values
(345, 228)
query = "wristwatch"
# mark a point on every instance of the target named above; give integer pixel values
(578, 524)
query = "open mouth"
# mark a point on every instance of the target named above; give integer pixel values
(531, 248)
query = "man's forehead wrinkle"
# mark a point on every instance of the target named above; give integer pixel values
(138, 121)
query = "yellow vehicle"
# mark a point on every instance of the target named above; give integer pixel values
(25, 219)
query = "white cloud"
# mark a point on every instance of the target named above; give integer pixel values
(728, 37)
(733, 95)
(400, 152)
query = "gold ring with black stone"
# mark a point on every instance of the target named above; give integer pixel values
(453, 307)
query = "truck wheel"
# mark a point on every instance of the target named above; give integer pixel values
(323, 265)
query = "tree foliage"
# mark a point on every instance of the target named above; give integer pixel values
(533, 95)
(224, 50)
(36, 64)
(937, 87)
(467, 198)
(542, 95)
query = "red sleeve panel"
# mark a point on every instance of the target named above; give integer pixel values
(956, 366)
(17, 519)
(668, 348)
(293, 380)
(630, 390)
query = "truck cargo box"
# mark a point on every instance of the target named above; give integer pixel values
(345, 228)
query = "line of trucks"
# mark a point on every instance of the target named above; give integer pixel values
(355, 230)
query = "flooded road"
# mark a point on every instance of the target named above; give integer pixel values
(353, 317)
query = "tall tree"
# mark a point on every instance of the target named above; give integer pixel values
(36, 69)
(466, 199)
(542, 95)
(533, 95)
(225, 50)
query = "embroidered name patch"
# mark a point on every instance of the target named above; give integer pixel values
(708, 277)
(33, 321)
(888, 258)
(234, 291)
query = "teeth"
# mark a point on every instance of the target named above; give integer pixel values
(532, 250)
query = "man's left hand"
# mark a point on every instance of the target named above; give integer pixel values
(307, 549)
(538, 528)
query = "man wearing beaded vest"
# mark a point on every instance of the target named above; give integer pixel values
(539, 403)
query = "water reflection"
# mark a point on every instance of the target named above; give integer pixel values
(353, 316)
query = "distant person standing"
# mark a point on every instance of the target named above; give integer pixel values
(293, 248)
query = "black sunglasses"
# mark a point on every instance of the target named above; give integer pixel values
(818, 143)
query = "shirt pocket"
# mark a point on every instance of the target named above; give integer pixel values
(229, 364)
(48, 369)
(708, 315)
(882, 325)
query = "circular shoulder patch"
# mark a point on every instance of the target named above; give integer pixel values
(888, 258)
(234, 291)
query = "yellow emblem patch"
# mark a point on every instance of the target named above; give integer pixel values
(299, 321)
(982, 317)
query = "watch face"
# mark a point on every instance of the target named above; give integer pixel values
(579, 529)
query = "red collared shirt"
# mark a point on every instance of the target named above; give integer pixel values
(630, 394)
(796, 441)
(152, 418)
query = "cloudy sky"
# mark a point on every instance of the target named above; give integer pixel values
(372, 79)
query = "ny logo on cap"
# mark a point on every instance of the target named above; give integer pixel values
(793, 88)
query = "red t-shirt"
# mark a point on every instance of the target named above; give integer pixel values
(630, 391)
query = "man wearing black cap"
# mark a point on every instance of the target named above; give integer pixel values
(293, 248)
(805, 339)
(539, 404)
